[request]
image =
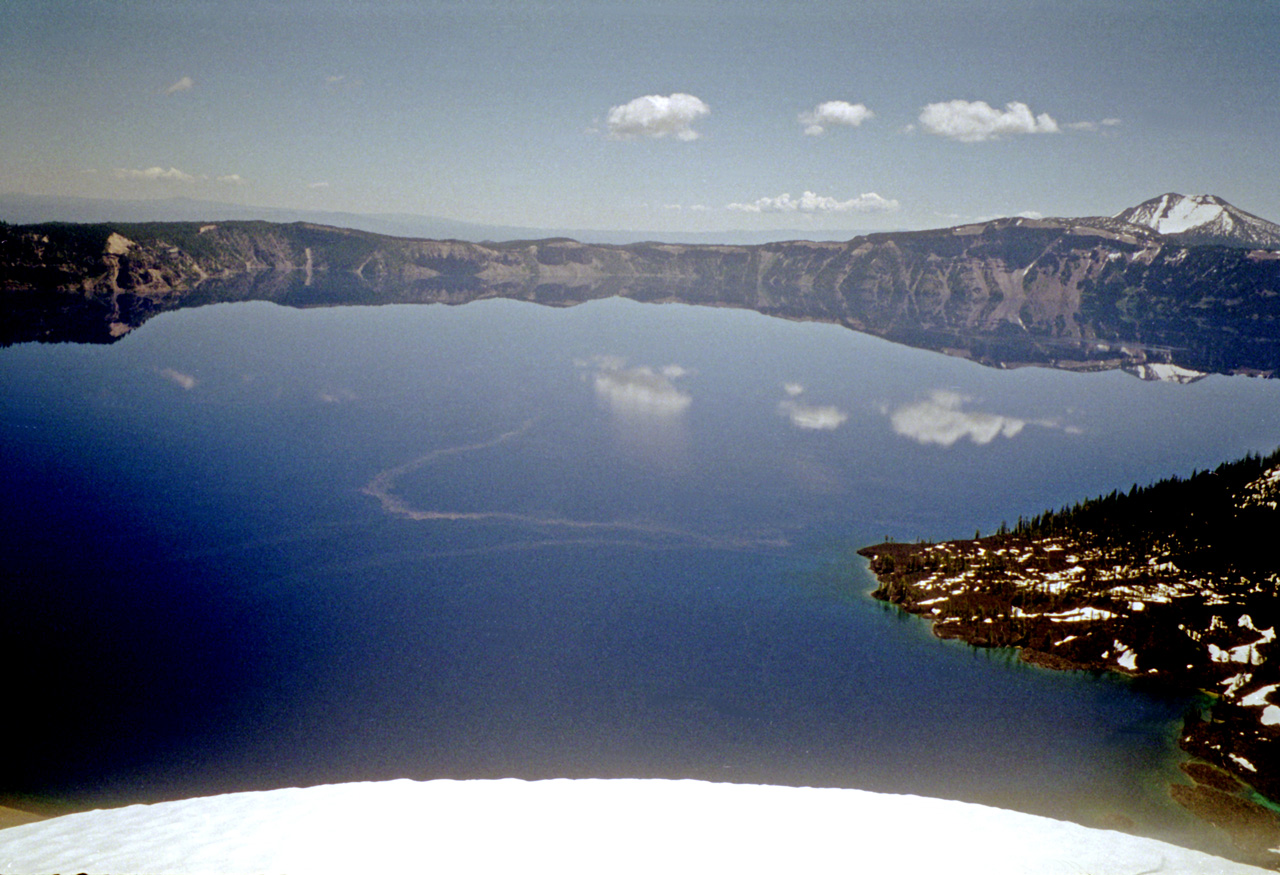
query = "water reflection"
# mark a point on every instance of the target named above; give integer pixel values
(504, 539)
(940, 419)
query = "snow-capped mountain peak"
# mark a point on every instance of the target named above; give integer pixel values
(1203, 218)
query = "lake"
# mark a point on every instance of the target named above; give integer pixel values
(249, 546)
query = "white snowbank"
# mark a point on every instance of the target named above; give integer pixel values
(1080, 615)
(569, 826)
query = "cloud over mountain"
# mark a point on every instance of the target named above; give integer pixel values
(155, 174)
(809, 202)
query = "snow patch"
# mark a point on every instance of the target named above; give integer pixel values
(1185, 214)
(1081, 615)
(1126, 658)
(1258, 698)
(1242, 762)
(579, 826)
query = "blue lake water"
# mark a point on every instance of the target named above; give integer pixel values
(249, 547)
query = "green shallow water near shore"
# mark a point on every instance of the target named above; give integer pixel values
(651, 576)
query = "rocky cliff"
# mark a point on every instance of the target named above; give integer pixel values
(1076, 293)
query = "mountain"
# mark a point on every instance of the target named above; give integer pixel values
(1203, 219)
(1071, 293)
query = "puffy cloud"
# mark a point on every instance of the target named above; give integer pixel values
(232, 179)
(793, 389)
(155, 174)
(656, 116)
(642, 391)
(939, 420)
(186, 83)
(834, 112)
(975, 121)
(868, 202)
(813, 416)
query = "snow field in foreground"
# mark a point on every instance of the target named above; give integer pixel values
(571, 826)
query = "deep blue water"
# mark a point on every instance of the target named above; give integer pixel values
(249, 547)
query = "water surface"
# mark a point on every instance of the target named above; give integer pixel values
(250, 547)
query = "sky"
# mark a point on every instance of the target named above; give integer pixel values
(672, 115)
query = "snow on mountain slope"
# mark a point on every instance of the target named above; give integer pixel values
(1203, 218)
(580, 826)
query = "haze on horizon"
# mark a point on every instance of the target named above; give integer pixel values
(695, 115)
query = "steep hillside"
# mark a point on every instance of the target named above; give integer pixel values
(1073, 293)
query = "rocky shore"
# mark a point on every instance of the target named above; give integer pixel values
(1177, 605)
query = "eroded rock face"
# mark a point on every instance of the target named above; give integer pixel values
(1062, 293)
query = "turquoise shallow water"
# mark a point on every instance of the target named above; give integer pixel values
(250, 547)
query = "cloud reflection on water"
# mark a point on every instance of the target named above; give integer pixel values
(646, 410)
(811, 417)
(642, 391)
(940, 420)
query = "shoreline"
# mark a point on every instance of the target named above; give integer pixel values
(1006, 590)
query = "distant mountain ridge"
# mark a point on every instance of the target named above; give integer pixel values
(1088, 293)
(23, 209)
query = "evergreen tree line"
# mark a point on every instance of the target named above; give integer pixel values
(1197, 518)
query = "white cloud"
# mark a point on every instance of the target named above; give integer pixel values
(813, 416)
(793, 389)
(155, 174)
(184, 84)
(656, 117)
(232, 179)
(833, 112)
(939, 420)
(1092, 126)
(641, 391)
(321, 184)
(975, 121)
(868, 202)
(334, 80)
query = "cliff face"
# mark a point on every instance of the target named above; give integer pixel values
(1067, 293)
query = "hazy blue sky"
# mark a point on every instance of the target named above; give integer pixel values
(896, 114)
